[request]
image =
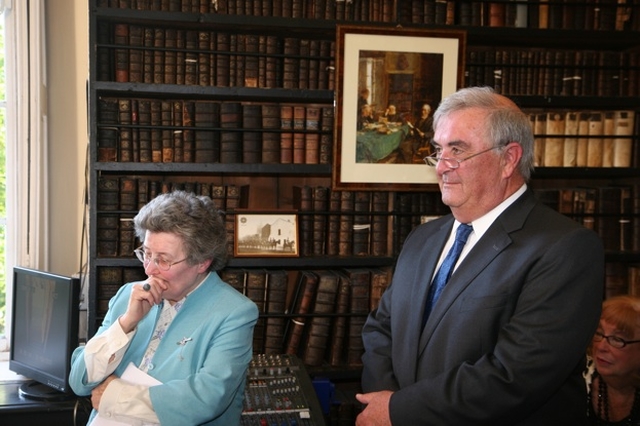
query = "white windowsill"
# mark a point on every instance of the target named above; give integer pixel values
(7, 375)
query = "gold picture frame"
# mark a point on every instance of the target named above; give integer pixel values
(382, 69)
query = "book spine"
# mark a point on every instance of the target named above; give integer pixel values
(125, 151)
(230, 137)
(362, 223)
(623, 142)
(307, 287)
(380, 279)
(554, 145)
(270, 141)
(595, 144)
(121, 37)
(320, 206)
(251, 140)
(303, 202)
(319, 325)
(277, 284)
(107, 139)
(379, 223)
(359, 308)
(256, 291)
(337, 351)
(345, 240)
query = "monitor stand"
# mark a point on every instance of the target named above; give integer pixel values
(35, 390)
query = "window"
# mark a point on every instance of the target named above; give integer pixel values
(3, 215)
(23, 189)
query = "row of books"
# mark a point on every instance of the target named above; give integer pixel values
(109, 279)
(554, 72)
(187, 131)
(344, 223)
(585, 138)
(350, 10)
(612, 211)
(315, 314)
(356, 223)
(318, 315)
(145, 54)
(359, 223)
(119, 199)
(322, 320)
(134, 53)
(412, 209)
(606, 15)
(333, 223)
(622, 278)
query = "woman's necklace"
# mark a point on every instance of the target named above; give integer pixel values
(603, 405)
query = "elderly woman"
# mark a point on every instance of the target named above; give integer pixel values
(613, 376)
(183, 326)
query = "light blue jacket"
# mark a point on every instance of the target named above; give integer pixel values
(203, 379)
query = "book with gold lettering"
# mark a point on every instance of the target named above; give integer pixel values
(595, 144)
(302, 304)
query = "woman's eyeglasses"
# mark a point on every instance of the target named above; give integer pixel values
(162, 264)
(615, 341)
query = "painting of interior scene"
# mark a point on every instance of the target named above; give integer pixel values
(397, 94)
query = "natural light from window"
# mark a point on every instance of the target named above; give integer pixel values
(3, 186)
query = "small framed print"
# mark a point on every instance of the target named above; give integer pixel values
(266, 235)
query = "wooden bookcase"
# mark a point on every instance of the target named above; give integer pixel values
(173, 84)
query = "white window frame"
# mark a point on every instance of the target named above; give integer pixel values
(27, 195)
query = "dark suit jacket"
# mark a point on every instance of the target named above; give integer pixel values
(506, 342)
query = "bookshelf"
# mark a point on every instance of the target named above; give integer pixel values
(173, 84)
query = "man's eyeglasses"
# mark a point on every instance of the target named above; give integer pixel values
(452, 163)
(615, 341)
(162, 264)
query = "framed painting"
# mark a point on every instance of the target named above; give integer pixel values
(389, 82)
(266, 235)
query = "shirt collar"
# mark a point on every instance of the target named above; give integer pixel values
(483, 223)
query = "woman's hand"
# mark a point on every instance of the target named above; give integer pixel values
(143, 297)
(96, 393)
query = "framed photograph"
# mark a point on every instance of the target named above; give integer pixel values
(266, 235)
(389, 83)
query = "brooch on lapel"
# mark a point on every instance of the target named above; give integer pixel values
(183, 342)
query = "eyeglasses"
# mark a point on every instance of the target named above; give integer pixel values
(162, 264)
(452, 163)
(615, 341)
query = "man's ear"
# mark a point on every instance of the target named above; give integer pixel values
(511, 156)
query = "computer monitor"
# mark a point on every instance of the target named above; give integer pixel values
(44, 331)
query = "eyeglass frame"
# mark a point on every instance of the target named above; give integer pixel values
(450, 161)
(599, 337)
(142, 257)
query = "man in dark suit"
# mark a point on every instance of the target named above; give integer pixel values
(505, 342)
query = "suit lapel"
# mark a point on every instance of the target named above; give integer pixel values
(492, 243)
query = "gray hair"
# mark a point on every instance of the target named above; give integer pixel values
(505, 122)
(194, 219)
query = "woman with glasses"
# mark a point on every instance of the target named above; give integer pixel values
(183, 326)
(613, 373)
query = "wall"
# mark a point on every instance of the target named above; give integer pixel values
(67, 42)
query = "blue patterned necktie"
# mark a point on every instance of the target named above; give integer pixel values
(446, 269)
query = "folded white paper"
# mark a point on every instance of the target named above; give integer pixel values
(133, 375)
